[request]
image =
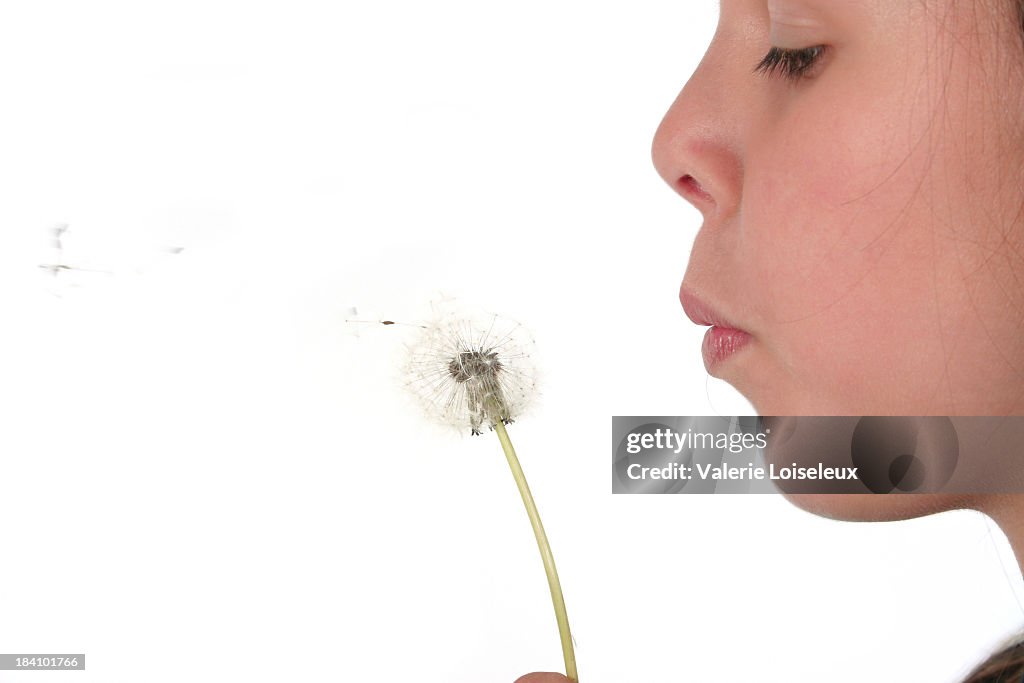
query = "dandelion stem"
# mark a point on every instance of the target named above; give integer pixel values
(545, 551)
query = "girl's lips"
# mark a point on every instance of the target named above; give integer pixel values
(720, 343)
(723, 339)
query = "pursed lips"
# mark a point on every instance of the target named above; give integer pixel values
(723, 339)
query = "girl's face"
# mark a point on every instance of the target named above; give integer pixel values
(862, 203)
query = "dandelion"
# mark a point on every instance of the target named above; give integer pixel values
(474, 373)
(470, 373)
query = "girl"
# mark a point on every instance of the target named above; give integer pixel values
(859, 167)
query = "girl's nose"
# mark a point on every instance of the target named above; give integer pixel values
(697, 148)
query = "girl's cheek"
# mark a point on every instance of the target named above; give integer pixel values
(838, 287)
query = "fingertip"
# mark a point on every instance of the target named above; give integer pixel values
(543, 677)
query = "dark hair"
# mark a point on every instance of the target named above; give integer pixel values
(1020, 15)
(1006, 666)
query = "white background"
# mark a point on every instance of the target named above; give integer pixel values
(206, 475)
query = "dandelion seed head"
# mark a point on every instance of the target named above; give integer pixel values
(471, 371)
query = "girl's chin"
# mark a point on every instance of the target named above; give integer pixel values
(870, 507)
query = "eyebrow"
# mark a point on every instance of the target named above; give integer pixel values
(815, 13)
(793, 12)
(814, 6)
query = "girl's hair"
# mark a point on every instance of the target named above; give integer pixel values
(1020, 15)
(1005, 666)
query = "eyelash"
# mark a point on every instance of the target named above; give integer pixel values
(792, 64)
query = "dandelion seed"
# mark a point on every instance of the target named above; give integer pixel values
(58, 265)
(352, 325)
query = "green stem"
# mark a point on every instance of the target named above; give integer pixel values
(545, 551)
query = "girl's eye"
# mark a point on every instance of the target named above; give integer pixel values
(792, 64)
